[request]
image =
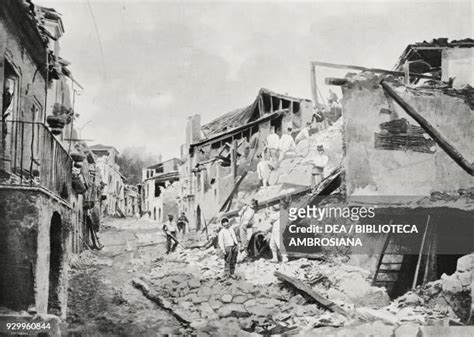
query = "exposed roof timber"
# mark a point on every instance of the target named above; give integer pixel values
(282, 96)
(244, 115)
(240, 128)
(431, 130)
(436, 44)
(374, 70)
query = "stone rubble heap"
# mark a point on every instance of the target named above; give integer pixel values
(187, 283)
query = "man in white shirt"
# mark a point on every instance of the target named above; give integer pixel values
(320, 161)
(246, 223)
(227, 242)
(273, 139)
(276, 245)
(170, 229)
(303, 134)
(287, 143)
(264, 169)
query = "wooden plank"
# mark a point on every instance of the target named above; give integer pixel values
(234, 190)
(307, 290)
(422, 246)
(430, 129)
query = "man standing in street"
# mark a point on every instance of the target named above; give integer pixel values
(182, 223)
(170, 230)
(228, 244)
(279, 222)
(246, 223)
(319, 163)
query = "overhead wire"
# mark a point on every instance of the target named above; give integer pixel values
(98, 38)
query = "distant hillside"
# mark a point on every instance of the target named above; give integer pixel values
(132, 160)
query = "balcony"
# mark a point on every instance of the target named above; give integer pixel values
(31, 156)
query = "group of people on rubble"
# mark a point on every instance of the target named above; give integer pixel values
(234, 240)
(277, 147)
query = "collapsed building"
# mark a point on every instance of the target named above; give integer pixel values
(218, 155)
(403, 145)
(160, 189)
(113, 182)
(408, 151)
(44, 183)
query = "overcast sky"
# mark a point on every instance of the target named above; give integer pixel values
(147, 65)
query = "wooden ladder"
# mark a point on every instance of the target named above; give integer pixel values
(388, 265)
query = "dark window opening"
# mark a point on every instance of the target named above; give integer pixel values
(296, 107)
(158, 187)
(10, 92)
(276, 123)
(276, 104)
(246, 134)
(266, 103)
(285, 104)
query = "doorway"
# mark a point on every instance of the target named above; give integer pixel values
(55, 263)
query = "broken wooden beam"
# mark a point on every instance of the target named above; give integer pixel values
(335, 81)
(374, 70)
(226, 205)
(437, 136)
(307, 290)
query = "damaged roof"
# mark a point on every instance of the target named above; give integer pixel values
(176, 160)
(430, 52)
(242, 116)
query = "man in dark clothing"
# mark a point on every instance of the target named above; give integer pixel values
(182, 223)
(170, 230)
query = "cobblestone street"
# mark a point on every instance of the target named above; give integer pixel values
(102, 299)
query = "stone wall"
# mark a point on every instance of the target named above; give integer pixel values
(26, 216)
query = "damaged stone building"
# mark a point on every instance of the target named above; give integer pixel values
(160, 189)
(408, 151)
(41, 210)
(113, 191)
(218, 152)
(131, 200)
(403, 145)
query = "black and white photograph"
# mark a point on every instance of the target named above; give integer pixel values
(237, 168)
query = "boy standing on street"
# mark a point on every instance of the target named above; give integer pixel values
(228, 244)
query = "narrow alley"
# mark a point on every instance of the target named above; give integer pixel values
(102, 299)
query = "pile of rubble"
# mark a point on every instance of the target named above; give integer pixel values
(187, 284)
(294, 171)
